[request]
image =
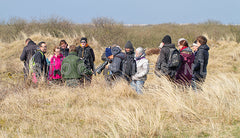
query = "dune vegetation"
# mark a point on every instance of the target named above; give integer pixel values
(164, 110)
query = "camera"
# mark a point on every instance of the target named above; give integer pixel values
(55, 72)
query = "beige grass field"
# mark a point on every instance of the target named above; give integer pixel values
(164, 110)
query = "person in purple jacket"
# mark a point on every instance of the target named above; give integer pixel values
(184, 74)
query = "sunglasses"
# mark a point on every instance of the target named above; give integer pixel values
(83, 42)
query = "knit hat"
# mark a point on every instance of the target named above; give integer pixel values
(167, 39)
(129, 45)
(108, 52)
(181, 39)
(83, 38)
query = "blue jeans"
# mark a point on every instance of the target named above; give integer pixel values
(137, 85)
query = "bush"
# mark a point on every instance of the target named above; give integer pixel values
(108, 31)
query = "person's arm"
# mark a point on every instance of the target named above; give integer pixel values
(158, 64)
(103, 57)
(38, 63)
(163, 60)
(82, 70)
(45, 67)
(77, 50)
(200, 61)
(23, 56)
(93, 55)
(92, 59)
(115, 65)
(63, 70)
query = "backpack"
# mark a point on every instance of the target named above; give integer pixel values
(32, 62)
(174, 58)
(129, 66)
(174, 62)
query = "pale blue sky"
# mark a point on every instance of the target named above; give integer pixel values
(126, 11)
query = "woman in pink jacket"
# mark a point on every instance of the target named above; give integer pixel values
(55, 66)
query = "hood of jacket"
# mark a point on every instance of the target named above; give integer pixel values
(187, 54)
(116, 50)
(73, 53)
(188, 49)
(31, 43)
(85, 45)
(205, 47)
(169, 45)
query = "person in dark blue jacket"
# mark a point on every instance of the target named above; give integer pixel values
(116, 65)
(201, 59)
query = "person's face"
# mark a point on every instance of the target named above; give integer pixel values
(110, 57)
(43, 47)
(194, 48)
(83, 43)
(127, 49)
(26, 42)
(57, 51)
(63, 46)
(180, 46)
(198, 43)
(137, 54)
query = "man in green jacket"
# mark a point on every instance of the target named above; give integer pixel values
(73, 68)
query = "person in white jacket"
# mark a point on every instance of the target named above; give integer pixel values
(139, 78)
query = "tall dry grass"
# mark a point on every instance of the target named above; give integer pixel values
(164, 110)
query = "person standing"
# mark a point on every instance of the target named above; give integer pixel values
(129, 65)
(85, 52)
(40, 64)
(184, 73)
(115, 67)
(164, 65)
(73, 68)
(139, 78)
(55, 76)
(28, 51)
(201, 60)
(64, 48)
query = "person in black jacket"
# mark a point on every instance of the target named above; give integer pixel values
(86, 53)
(161, 67)
(129, 65)
(64, 50)
(116, 62)
(40, 67)
(201, 59)
(28, 51)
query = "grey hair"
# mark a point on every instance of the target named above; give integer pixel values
(141, 51)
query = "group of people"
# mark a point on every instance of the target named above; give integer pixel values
(74, 65)
(70, 64)
(183, 66)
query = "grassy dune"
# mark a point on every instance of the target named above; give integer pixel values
(164, 110)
